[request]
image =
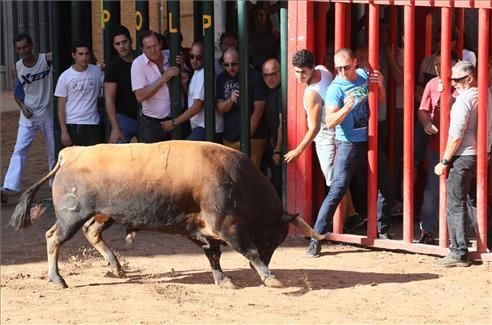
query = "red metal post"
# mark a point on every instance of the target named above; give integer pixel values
(428, 32)
(483, 50)
(320, 12)
(446, 25)
(372, 154)
(392, 96)
(459, 18)
(340, 41)
(408, 91)
(299, 174)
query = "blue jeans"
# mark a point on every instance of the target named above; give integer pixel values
(350, 161)
(128, 126)
(429, 212)
(199, 134)
(461, 198)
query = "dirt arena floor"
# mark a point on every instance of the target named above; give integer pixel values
(169, 279)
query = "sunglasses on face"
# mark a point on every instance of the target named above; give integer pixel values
(197, 57)
(266, 75)
(346, 68)
(230, 64)
(459, 79)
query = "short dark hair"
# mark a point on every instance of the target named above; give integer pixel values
(121, 30)
(23, 36)
(77, 44)
(149, 33)
(226, 34)
(303, 58)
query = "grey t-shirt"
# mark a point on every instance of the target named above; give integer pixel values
(463, 121)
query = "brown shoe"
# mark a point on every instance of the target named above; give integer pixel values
(449, 261)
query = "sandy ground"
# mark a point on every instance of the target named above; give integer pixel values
(169, 279)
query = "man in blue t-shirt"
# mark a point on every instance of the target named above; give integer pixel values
(347, 111)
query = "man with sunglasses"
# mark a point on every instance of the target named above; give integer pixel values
(121, 103)
(196, 97)
(460, 157)
(227, 89)
(346, 110)
(429, 117)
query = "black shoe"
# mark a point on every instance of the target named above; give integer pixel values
(314, 248)
(385, 235)
(426, 238)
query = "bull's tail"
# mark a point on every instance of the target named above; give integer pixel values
(302, 225)
(22, 214)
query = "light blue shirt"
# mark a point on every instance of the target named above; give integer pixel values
(354, 127)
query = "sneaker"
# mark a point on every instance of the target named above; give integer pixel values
(314, 248)
(449, 261)
(385, 235)
(426, 238)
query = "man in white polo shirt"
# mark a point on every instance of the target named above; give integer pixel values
(150, 73)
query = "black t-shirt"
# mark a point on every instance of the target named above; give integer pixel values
(272, 111)
(232, 120)
(125, 100)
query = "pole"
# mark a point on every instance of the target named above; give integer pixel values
(110, 18)
(408, 118)
(209, 49)
(175, 46)
(242, 12)
(141, 20)
(283, 90)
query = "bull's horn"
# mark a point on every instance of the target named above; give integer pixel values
(306, 229)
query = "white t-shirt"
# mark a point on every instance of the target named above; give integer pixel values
(196, 90)
(81, 89)
(37, 85)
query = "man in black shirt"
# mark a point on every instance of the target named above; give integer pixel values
(273, 117)
(121, 104)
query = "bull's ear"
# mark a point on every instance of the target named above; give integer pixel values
(287, 217)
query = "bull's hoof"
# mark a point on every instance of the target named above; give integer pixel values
(273, 283)
(226, 283)
(60, 283)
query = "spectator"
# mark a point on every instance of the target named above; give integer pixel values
(121, 103)
(346, 108)
(273, 119)
(196, 96)
(227, 40)
(317, 79)
(386, 185)
(264, 43)
(429, 116)
(460, 156)
(78, 89)
(33, 96)
(227, 87)
(150, 74)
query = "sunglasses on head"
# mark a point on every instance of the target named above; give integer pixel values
(346, 68)
(459, 79)
(230, 64)
(197, 57)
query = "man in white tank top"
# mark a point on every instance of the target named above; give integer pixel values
(33, 95)
(317, 80)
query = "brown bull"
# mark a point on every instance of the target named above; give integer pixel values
(205, 192)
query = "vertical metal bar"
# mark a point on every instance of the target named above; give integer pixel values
(320, 14)
(340, 24)
(446, 24)
(340, 42)
(198, 20)
(174, 27)
(372, 154)
(392, 96)
(283, 90)
(208, 32)
(459, 18)
(482, 177)
(232, 16)
(428, 32)
(75, 20)
(408, 118)
(110, 19)
(141, 20)
(242, 15)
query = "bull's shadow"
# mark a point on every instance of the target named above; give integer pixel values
(300, 280)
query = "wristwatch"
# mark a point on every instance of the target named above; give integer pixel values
(174, 122)
(444, 162)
